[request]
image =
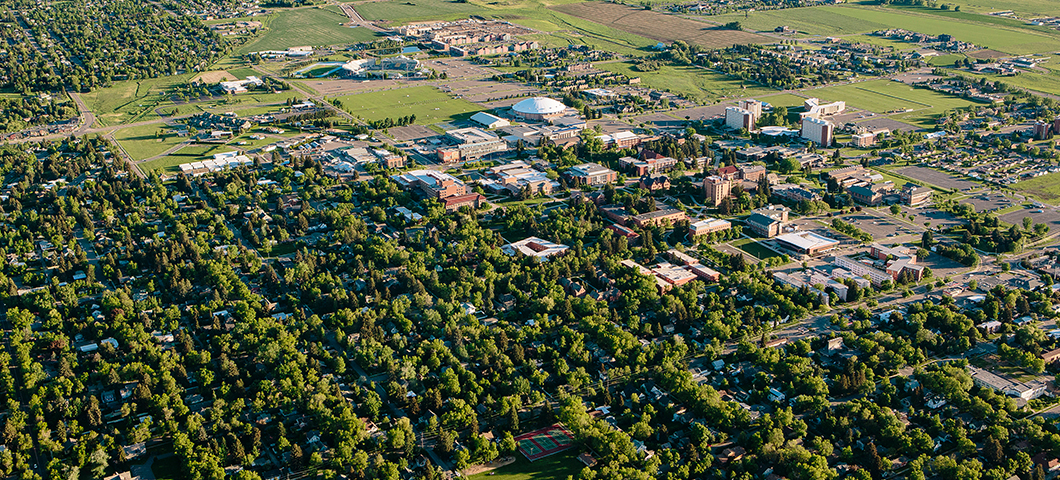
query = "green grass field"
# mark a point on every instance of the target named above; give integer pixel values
(754, 248)
(555, 467)
(403, 11)
(883, 96)
(142, 142)
(307, 26)
(695, 83)
(1046, 187)
(809, 21)
(999, 34)
(429, 104)
(128, 101)
(783, 100)
(1038, 82)
(1028, 8)
(169, 164)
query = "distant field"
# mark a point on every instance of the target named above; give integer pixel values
(882, 96)
(1022, 7)
(696, 83)
(143, 142)
(810, 21)
(403, 11)
(1039, 82)
(307, 27)
(1045, 187)
(658, 26)
(1008, 40)
(429, 104)
(783, 100)
(999, 34)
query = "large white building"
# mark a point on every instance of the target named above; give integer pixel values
(240, 86)
(815, 109)
(539, 108)
(818, 131)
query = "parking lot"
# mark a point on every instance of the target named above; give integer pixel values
(988, 202)
(937, 178)
(879, 227)
(1047, 216)
(935, 218)
(411, 132)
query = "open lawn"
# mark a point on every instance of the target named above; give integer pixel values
(555, 467)
(1046, 187)
(169, 164)
(783, 100)
(307, 26)
(754, 248)
(126, 101)
(695, 83)
(429, 104)
(403, 11)
(882, 96)
(143, 142)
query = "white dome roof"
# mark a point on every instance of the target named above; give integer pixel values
(539, 106)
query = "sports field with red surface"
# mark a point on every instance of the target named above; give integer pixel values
(544, 442)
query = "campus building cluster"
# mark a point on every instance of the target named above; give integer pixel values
(446, 188)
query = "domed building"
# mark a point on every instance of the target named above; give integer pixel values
(539, 108)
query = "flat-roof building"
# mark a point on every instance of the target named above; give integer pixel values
(537, 248)
(591, 174)
(913, 194)
(768, 220)
(431, 183)
(471, 143)
(668, 216)
(807, 243)
(708, 226)
(489, 121)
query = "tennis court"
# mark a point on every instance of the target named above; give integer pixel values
(544, 442)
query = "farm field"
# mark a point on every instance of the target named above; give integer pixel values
(306, 26)
(142, 142)
(1046, 188)
(555, 467)
(1003, 39)
(401, 11)
(994, 33)
(809, 21)
(1022, 7)
(695, 83)
(658, 26)
(429, 104)
(882, 96)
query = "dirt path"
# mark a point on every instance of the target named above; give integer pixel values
(485, 467)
